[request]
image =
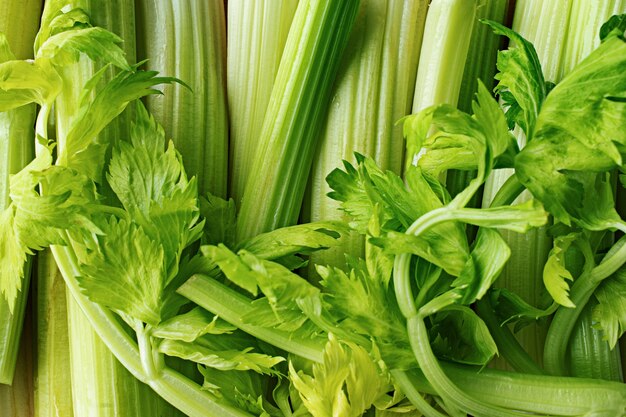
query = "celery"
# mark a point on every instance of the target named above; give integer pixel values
(590, 356)
(445, 46)
(257, 32)
(17, 399)
(18, 22)
(106, 387)
(544, 24)
(372, 92)
(187, 40)
(274, 191)
(53, 390)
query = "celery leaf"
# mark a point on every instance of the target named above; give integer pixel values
(189, 326)
(64, 48)
(555, 272)
(126, 273)
(221, 220)
(521, 81)
(23, 82)
(610, 313)
(152, 185)
(346, 384)
(579, 136)
(97, 112)
(460, 335)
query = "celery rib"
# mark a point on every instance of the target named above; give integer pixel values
(257, 32)
(274, 191)
(187, 40)
(373, 90)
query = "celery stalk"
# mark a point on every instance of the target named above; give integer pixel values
(18, 22)
(275, 189)
(53, 393)
(187, 40)
(105, 387)
(373, 90)
(17, 399)
(590, 355)
(447, 35)
(257, 32)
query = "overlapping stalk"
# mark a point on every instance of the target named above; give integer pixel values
(18, 22)
(377, 77)
(187, 40)
(275, 189)
(257, 32)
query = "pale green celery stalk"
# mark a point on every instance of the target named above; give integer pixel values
(373, 90)
(590, 356)
(17, 400)
(480, 65)
(53, 390)
(447, 35)
(298, 103)
(257, 32)
(586, 18)
(105, 388)
(187, 40)
(19, 23)
(545, 24)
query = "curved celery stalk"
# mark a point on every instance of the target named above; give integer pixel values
(447, 35)
(187, 40)
(257, 32)
(273, 194)
(18, 22)
(373, 90)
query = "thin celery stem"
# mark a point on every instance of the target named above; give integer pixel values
(414, 395)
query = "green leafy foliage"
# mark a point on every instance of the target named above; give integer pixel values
(127, 273)
(520, 80)
(610, 313)
(459, 334)
(579, 137)
(189, 326)
(346, 384)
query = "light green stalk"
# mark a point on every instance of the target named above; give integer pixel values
(17, 400)
(544, 24)
(373, 90)
(275, 189)
(589, 354)
(53, 391)
(447, 35)
(18, 21)
(257, 32)
(187, 40)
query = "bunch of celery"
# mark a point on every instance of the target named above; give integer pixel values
(177, 295)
